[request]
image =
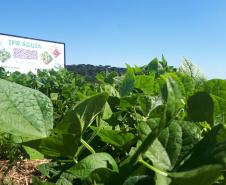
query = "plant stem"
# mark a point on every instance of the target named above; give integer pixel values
(76, 162)
(98, 121)
(153, 168)
(65, 161)
(135, 114)
(87, 146)
(80, 150)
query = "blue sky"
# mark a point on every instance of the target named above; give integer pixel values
(115, 32)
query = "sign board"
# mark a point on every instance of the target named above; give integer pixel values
(26, 54)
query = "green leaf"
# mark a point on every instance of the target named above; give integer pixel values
(115, 137)
(31, 153)
(208, 151)
(118, 80)
(171, 109)
(139, 180)
(216, 87)
(153, 65)
(200, 107)
(101, 76)
(57, 145)
(98, 160)
(105, 176)
(111, 90)
(23, 111)
(137, 69)
(206, 161)
(106, 113)
(54, 96)
(128, 102)
(114, 119)
(36, 181)
(164, 61)
(186, 81)
(67, 91)
(174, 143)
(110, 78)
(127, 83)
(145, 103)
(56, 172)
(113, 101)
(77, 120)
(145, 83)
(163, 87)
(203, 106)
(192, 70)
(203, 175)
(107, 78)
(161, 179)
(157, 112)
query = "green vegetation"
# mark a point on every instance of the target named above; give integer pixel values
(4, 55)
(154, 125)
(90, 71)
(45, 57)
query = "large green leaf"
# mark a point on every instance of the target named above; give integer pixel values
(192, 70)
(205, 163)
(77, 120)
(203, 106)
(23, 111)
(145, 83)
(127, 83)
(216, 87)
(217, 91)
(203, 166)
(31, 153)
(56, 172)
(57, 145)
(170, 111)
(203, 175)
(92, 162)
(115, 137)
(174, 143)
(208, 151)
(200, 107)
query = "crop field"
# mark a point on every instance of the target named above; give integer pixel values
(155, 125)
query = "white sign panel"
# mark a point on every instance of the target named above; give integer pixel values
(25, 54)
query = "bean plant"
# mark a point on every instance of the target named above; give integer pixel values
(154, 125)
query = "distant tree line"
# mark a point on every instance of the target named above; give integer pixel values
(90, 71)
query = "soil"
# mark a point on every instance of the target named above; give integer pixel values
(21, 172)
